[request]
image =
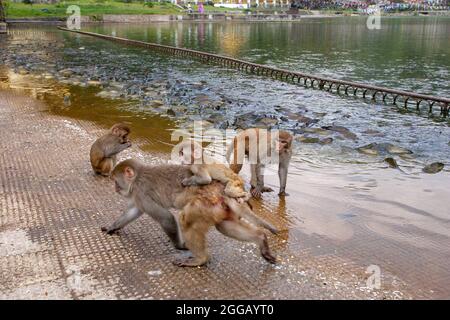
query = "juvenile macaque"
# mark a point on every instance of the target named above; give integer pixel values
(205, 169)
(104, 150)
(156, 189)
(260, 145)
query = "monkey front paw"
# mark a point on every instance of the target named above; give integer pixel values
(269, 257)
(283, 194)
(109, 231)
(255, 192)
(189, 262)
(186, 182)
(267, 189)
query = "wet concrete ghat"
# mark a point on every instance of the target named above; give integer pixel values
(432, 104)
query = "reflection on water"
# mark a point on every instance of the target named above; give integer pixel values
(409, 53)
(341, 201)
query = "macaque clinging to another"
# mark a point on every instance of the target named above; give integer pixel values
(206, 169)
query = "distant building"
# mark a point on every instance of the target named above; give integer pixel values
(39, 1)
(238, 4)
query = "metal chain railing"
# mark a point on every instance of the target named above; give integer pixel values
(366, 91)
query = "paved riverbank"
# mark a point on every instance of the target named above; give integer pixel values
(52, 208)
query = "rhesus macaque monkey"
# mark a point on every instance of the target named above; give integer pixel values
(262, 144)
(104, 150)
(156, 189)
(205, 169)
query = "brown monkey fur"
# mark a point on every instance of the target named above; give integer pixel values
(155, 189)
(282, 144)
(104, 150)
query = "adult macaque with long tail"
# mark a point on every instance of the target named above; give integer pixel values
(261, 147)
(104, 150)
(156, 189)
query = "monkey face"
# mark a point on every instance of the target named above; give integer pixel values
(282, 145)
(124, 138)
(186, 156)
(123, 181)
(190, 152)
(122, 131)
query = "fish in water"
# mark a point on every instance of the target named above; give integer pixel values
(326, 141)
(377, 148)
(434, 167)
(391, 162)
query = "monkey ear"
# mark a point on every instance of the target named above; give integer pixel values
(129, 173)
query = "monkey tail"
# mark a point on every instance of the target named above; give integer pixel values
(244, 212)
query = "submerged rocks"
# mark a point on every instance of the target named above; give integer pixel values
(434, 167)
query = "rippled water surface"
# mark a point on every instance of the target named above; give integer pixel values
(407, 53)
(411, 53)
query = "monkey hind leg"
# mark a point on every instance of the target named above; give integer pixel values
(243, 210)
(105, 167)
(239, 230)
(194, 230)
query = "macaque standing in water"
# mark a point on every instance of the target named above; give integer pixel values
(259, 146)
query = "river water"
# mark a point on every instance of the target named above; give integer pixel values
(342, 202)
